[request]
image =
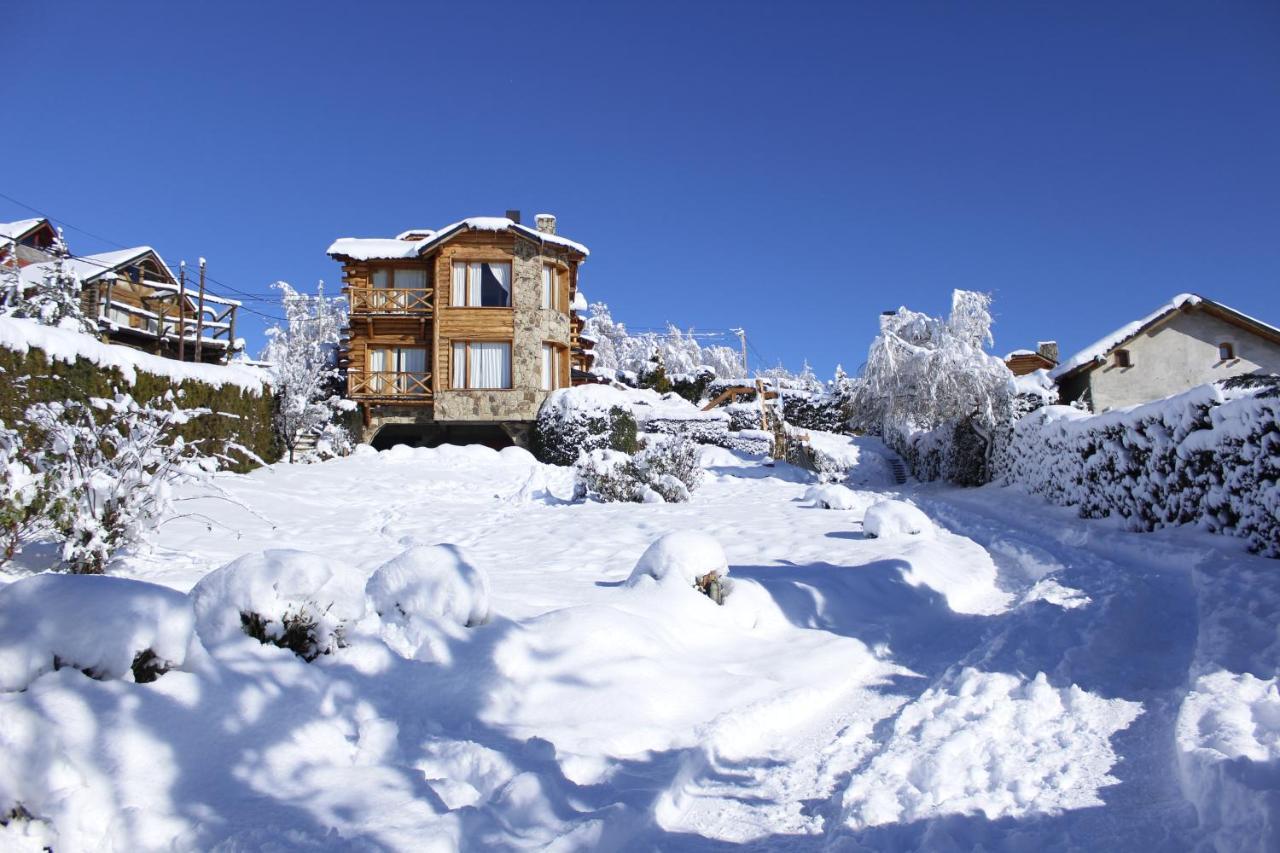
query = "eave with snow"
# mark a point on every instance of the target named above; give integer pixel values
(464, 328)
(26, 241)
(1188, 341)
(140, 303)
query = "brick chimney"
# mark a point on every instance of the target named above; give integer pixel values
(1048, 349)
(514, 216)
(546, 223)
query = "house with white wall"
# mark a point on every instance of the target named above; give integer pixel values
(1188, 341)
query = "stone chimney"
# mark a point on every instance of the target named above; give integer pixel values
(1048, 349)
(546, 223)
(514, 216)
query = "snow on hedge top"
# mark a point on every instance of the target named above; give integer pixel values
(643, 403)
(66, 346)
(91, 622)
(1099, 348)
(382, 248)
(681, 557)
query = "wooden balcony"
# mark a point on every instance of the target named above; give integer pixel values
(389, 300)
(389, 385)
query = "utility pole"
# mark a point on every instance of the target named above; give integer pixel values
(742, 339)
(200, 318)
(182, 311)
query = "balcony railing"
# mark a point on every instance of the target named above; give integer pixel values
(390, 300)
(389, 383)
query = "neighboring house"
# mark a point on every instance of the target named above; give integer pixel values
(28, 239)
(459, 334)
(140, 304)
(1187, 342)
(1023, 361)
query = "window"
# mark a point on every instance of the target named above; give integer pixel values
(1226, 351)
(399, 279)
(481, 365)
(1122, 358)
(553, 359)
(481, 285)
(397, 370)
(551, 297)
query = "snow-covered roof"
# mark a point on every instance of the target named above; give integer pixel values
(90, 268)
(1019, 352)
(388, 249)
(416, 234)
(18, 230)
(1099, 349)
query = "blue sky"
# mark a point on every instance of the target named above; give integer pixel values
(792, 168)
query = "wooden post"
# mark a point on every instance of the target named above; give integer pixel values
(182, 311)
(105, 308)
(231, 334)
(200, 318)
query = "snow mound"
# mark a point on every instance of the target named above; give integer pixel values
(680, 558)
(896, 519)
(90, 622)
(277, 584)
(1050, 591)
(1228, 735)
(434, 582)
(994, 743)
(835, 496)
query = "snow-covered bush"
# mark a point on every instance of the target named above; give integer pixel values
(292, 599)
(580, 420)
(664, 470)
(108, 628)
(427, 593)
(895, 519)
(808, 410)
(55, 299)
(834, 496)
(305, 375)
(1209, 456)
(24, 495)
(687, 559)
(108, 469)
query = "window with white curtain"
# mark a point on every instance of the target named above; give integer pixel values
(481, 285)
(411, 279)
(397, 369)
(382, 278)
(550, 289)
(552, 365)
(481, 364)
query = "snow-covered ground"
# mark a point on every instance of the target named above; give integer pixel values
(1005, 676)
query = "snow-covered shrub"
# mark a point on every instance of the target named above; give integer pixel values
(688, 559)
(812, 411)
(305, 374)
(835, 496)
(894, 519)
(654, 374)
(579, 420)
(665, 470)
(106, 627)
(109, 468)
(55, 299)
(693, 386)
(293, 599)
(24, 495)
(742, 415)
(425, 594)
(754, 441)
(1209, 456)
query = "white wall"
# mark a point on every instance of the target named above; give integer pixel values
(1175, 356)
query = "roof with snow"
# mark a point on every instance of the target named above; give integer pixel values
(1097, 352)
(90, 268)
(21, 228)
(417, 242)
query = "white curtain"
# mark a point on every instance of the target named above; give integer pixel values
(490, 366)
(381, 280)
(547, 281)
(548, 367)
(411, 279)
(459, 372)
(414, 363)
(377, 364)
(458, 289)
(502, 272)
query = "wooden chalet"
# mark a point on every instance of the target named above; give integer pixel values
(27, 240)
(459, 334)
(139, 303)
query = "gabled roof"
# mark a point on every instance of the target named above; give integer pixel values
(20, 229)
(385, 249)
(1097, 352)
(90, 268)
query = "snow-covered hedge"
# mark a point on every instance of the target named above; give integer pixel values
(687, 559)
(580, 420)
(1209, 456)
(666, 470)
(61, 365)
(812, 411)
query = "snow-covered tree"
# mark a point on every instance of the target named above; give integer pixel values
(922, 371)
(303, 358)
(616, 349)
(55, 299)
(10, 279)
(107, 469)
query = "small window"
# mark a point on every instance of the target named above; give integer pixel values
(551, 293)
(552, 367)
(481, 285)
(1122, 358)
(1226, 352)
(481, 365)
